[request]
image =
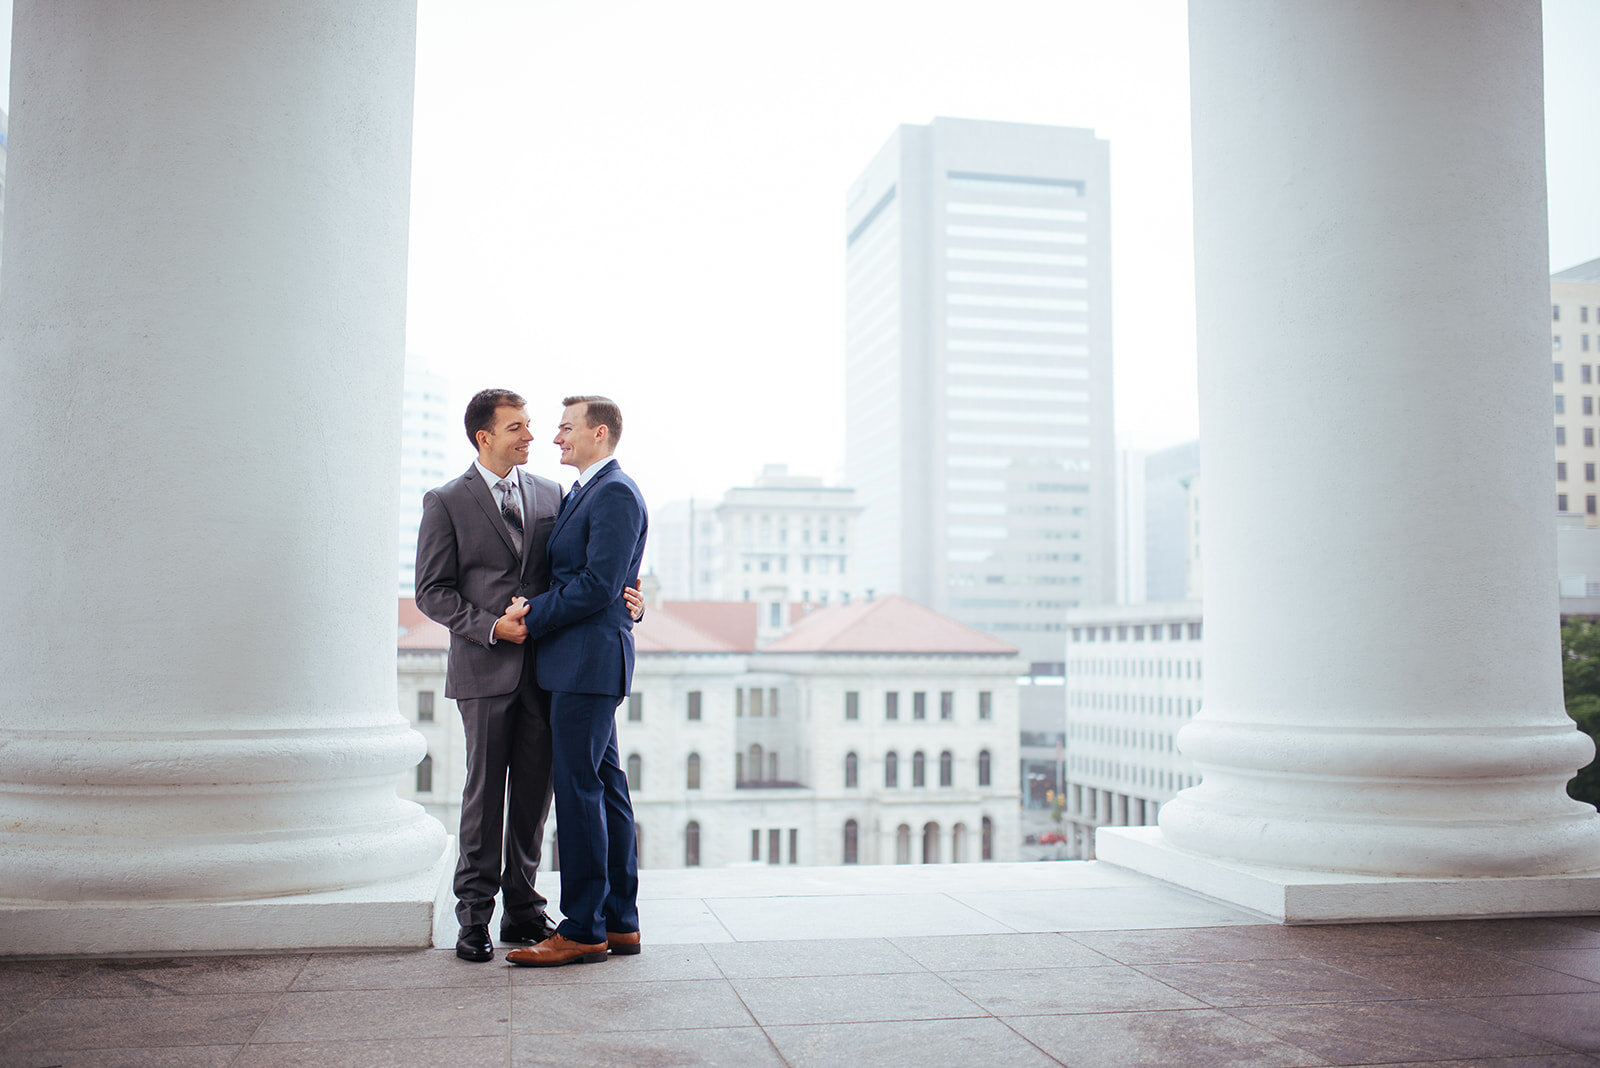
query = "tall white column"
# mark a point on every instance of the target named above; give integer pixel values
(200, 374)
(1383, 691)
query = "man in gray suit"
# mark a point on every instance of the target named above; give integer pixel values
(481, 544)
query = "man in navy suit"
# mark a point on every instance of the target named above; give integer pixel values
(480, 544)
(585, 660)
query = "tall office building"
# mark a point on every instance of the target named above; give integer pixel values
(5, 137)
(1168, 521)
(1575, 350)
(426, 430)
(978, 383)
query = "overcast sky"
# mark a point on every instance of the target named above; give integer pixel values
(646, 199)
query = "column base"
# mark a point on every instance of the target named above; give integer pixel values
(1291, 896)
(395, 914)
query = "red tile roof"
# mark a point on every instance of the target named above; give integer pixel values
(892, 624)
(684, 627)
(730, 623)
(888, 625)
(417, 631)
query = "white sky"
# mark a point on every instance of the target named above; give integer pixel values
(646, 199)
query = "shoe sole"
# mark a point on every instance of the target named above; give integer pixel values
(475, 958)
(626, 950)
(581, 958)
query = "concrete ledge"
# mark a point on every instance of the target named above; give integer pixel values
(1297, 896)
(395, 914)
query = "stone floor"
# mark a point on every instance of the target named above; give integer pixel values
(961, 965)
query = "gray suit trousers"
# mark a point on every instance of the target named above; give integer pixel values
(507, 736)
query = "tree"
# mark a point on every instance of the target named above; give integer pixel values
(1580, 684)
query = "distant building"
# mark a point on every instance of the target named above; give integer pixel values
(784, 538)
(428, 438)
(869, 733)
(5, 137)
(1132, 562)
(1575, 350)
(436, 782)
(684, 552)
(1168, 523)
(788, 538)
(1133, 679)
(1194, 573)
(978, 395)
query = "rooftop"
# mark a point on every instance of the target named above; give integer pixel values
(1004, 964)
(888, 626)
(1583, 272)
(418, 633)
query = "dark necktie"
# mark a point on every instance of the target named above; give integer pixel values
(571, 493)
(510, 510)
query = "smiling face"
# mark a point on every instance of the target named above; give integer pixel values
(581, 444)
(506, 445)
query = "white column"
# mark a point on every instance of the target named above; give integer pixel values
(201, 352)
(1383, 693)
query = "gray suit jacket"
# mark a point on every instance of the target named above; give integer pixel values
(468, 571)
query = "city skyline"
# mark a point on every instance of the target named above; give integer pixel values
(575, 150)
(978, 377)
(681, 200)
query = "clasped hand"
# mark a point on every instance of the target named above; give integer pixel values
(511, 628)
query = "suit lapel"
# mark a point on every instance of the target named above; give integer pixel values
(577, 498)
(530, 515)
(485, 498)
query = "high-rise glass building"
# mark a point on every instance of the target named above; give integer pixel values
(978, 383)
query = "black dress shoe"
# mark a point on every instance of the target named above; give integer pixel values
(473, 943)
(529, 931)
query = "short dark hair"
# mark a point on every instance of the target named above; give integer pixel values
(600, 410)
(481, 408)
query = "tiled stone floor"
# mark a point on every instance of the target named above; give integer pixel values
(957, 972)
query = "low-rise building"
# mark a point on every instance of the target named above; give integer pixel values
(871, 733)
(1133, 679)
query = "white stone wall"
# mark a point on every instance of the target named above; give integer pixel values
(420, 673)
(788, 537)
(812, 717)
(1128, 694)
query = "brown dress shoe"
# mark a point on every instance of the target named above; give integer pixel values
(557, 950)
(623, 943)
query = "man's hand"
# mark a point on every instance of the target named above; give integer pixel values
(509, 627)
(635, 600)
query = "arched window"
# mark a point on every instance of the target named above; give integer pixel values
(691, 845)
(919, 769)
(772, 766)
(983, 768)
(851, 771)
(930, 843)
(958, 844)
(693, 776)
(988, 838)
(902, 845)
(852, 833)
(891, 769)
(425, 775)
(753, 765)
(635, 767)
(947, 764)
(738, 768)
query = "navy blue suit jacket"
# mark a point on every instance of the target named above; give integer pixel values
(584, 632)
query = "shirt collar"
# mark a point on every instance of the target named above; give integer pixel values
(594, 469)
(490, 478)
